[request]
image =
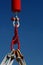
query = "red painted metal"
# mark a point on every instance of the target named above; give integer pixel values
(15, 39)
(16, 5)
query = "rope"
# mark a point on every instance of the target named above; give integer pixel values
(7, 60)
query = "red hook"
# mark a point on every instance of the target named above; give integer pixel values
(15, 39)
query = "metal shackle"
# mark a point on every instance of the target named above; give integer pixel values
(14, 24)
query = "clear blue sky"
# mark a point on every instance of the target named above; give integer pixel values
(30, 31)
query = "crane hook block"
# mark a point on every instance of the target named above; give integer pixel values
(16, 5)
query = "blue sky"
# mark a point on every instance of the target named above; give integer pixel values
(30, 31)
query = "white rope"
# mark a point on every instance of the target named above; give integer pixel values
(4, 60)
(11, 62)
(7, 61)
(22, 62)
